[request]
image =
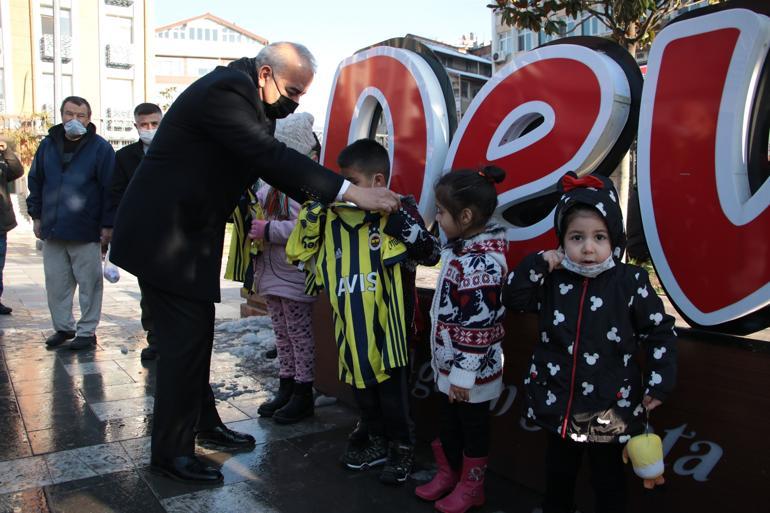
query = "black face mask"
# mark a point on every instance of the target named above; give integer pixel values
(280, 108)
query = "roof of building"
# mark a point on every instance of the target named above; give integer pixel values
(438, 46)
(218, 20)
(468, 74)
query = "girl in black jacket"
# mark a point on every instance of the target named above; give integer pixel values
(585, 386)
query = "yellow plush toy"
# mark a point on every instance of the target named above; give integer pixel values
(646, 454)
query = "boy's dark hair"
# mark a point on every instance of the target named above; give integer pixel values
(470, 188)
(77, 100)
(367, 156)
(143, 109)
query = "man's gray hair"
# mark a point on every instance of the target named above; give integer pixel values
(275, 56)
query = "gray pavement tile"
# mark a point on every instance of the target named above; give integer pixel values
(123, 408)
(138, 449)
(25, 501)
(105, 458)
(40, 386)
(229, 413)
(66, 434)
(115, 392)
(235, 497)
(98, 367)
(67, 466)
(14, 442)
(125, 492)
(24, 473)
(115, 430)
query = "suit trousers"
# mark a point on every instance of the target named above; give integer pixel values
(184, 401)
(68, 264)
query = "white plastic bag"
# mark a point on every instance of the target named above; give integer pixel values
(111, 271)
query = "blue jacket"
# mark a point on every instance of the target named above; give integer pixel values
(71, 200)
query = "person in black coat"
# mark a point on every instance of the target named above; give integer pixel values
(147, 118)
(10, 170)
(215, 140)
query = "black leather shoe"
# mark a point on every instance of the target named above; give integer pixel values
(5, 310)
(59, 338)
(187, 469)
(83, 342)
(226, 437)
(149, 353)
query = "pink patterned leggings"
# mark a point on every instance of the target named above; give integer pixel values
(293, 337)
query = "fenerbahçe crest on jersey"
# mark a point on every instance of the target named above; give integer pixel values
(345, 250)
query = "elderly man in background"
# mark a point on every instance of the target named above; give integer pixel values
(69, 183)
(215, 141)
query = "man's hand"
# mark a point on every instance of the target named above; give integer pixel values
(36, 228)
(375, 198)
(106, 236)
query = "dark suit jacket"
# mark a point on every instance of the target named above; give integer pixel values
(212, 144)
(127, 159)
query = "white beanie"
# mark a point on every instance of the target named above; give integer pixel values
(296, 132)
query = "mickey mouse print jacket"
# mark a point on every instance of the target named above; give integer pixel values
(585, 381)
(466, 315)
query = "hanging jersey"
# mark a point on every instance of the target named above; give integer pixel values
(346, 251)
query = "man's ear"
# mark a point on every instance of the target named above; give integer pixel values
(263, 74)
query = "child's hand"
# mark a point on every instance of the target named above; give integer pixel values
(553, 258)
(257, 229)
(458, 394)
(651, 403)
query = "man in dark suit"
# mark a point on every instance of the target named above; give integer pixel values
(147, 117)
(215, 140)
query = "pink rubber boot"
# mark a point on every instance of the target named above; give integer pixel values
(444, 480)
(469, 492)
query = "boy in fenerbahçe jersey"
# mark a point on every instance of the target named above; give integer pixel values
(366, 262)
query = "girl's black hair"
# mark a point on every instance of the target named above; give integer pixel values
(470, 188)
(574, 211)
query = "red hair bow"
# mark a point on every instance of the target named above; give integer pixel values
(569, 182)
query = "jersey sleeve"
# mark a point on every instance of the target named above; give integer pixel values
(394, 251)
(305, 240)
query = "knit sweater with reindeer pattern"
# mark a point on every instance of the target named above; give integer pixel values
(467, 314)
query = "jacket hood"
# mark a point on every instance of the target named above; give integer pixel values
(597, 192)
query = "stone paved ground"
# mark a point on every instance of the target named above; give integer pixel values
(74, 434)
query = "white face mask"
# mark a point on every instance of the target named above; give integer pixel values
(146, 136)
(589, 271)
(74, 128)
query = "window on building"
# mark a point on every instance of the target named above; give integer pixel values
(120, 30)
(465, 89)
(593, 27)
(525, 41)
(214, 34)
(506, 42)
(65, 21)
(118, 104)
(46, 91)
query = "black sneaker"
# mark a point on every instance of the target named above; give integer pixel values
(59, 338)
(83, 342)
(399, 463)
(361, 457)
(5, 310)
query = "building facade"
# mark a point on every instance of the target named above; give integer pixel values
(188, 49)
(507, 42)
(105, 58)
(467, 72)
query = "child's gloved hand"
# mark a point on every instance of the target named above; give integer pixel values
(553, 258)
(258, 227)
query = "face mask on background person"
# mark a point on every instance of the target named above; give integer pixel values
(280, 108)
(74, 128)
(146, 136)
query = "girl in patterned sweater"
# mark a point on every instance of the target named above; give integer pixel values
(466, 334)
(585, 386)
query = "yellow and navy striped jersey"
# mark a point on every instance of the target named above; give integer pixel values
(346, 251)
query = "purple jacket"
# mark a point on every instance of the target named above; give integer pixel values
(273, 275)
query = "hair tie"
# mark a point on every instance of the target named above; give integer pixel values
(486, 177)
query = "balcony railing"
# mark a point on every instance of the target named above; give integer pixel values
(119, 56)
(120, 3)
(117, 120)
(46, 48)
